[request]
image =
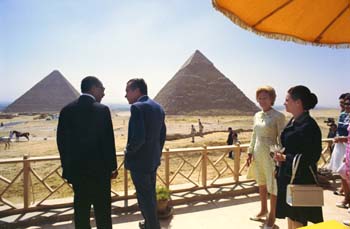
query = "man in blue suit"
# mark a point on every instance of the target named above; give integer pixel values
(146, 137)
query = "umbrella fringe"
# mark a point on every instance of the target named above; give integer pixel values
(235, 19)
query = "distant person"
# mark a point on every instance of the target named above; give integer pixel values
(146, 137)
(339, 148)
(302, 135)
(268, 125)
(342, 140)
(85, 141)
(193, 133)
(200, 127)
(338, 151)
(2, 124)
(344, 171)
(332, 133)
(232, 138)
(341, 101)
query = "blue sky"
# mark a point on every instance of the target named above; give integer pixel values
(118, 40)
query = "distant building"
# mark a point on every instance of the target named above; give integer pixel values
(198, 88)
(51, 94)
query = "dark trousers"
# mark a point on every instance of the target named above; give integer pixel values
(96, 192)
(145, 184)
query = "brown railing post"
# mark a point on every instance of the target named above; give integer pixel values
(237, 162)
(167, 167)
(329, 146)
(125, 186)
(26, 181)
(204, 166)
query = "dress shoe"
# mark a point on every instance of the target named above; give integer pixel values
(346, 222)
(267, 227)
(341, 205)
(142, 225)
(338, 193)
(258, 218)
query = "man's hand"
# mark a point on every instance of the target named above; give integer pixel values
(114, 174)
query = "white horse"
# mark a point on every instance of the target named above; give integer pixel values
(6, 140)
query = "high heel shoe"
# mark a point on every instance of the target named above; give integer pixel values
(258, 218)
(341, 205)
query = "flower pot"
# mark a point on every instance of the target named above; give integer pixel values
(162, 206)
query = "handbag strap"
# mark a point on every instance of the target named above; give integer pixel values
(313, 174)
(295, 165)
(296, 161)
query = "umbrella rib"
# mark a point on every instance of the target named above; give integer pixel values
(270, 14)
(319, 37)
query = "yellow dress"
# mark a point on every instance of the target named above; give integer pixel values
(266, 132)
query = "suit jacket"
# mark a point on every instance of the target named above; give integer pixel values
(146, 136)
(85, 140)
(303, 136)
(229, 140)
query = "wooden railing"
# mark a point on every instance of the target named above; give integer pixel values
(31, 183)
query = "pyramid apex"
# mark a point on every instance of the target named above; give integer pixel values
(56, 72)
(197, 58)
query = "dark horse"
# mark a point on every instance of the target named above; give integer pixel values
(20, 134)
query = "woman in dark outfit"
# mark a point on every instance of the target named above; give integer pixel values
(301, 136)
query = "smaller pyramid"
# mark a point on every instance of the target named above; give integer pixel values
(51, 94)
(198, 88)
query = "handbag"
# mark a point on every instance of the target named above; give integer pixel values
(303, 195)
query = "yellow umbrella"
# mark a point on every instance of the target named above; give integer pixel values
(318, 22)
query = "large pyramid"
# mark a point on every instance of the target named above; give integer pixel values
(198, 88)
(51, 94)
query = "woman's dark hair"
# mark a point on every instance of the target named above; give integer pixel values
(342, 96)
(347, 97)
(308, 99)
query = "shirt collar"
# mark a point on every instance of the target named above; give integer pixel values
(141, 98)
(87, 94)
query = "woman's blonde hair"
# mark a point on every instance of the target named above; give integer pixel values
(269, 90)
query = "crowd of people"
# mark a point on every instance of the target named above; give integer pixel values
(340, 159)
(86, 145)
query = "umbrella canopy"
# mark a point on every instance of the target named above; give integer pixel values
(318, 22)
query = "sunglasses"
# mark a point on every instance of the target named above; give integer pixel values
(346, 104)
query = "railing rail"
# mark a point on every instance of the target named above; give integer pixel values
(193, 168)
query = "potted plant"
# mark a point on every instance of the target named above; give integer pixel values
(163, 197)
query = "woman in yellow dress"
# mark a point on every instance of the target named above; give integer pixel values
(268, 125)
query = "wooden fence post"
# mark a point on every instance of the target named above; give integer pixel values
(125, 185)
(26, 181)
(167, 167)
(237, 162)
(204, 166)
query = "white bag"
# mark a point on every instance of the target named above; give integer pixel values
(303, 195)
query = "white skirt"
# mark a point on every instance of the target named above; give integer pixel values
(337, 157)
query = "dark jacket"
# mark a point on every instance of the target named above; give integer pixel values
(85, 140)
(303, 136)
(146, 136)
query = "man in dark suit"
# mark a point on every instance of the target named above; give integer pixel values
(146, 137)
(85, 141)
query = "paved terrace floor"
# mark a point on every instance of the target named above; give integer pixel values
(224, 213)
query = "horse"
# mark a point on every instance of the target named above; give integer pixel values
(6, 141)
(20, 134)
